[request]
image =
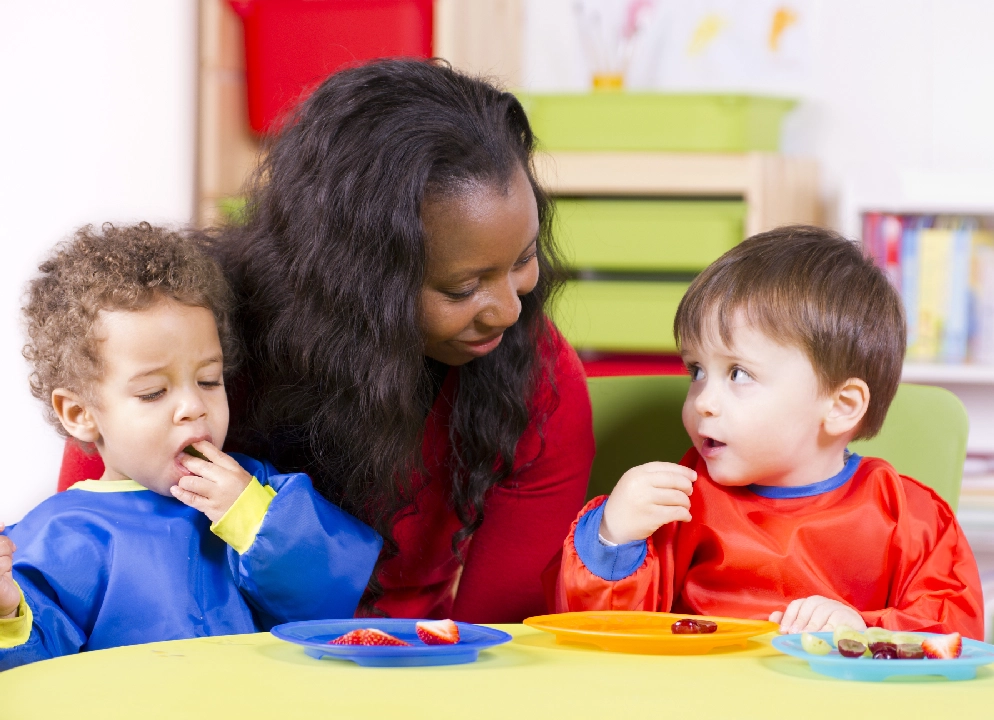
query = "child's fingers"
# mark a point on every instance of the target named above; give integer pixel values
(190, 499)
(665, 467)
(6, 564)
(212, 453)
(196, 485)
(7, 546)
(776, 616)
(669, 497)
(790, 614)
(819, 618)
(805, 611)
(668, 481)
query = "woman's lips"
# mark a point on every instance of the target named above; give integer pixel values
(482, 347)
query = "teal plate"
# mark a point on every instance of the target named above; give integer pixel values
(975, 654)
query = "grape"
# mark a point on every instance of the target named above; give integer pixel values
(708, 626)
(814, 644)
(876, 647)
(687, 626)
(910, 651)
(876, 634)
(851, 648)
(888, 651)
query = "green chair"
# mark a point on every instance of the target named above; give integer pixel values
(637, 419)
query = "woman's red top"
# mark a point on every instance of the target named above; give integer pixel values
(526, 517)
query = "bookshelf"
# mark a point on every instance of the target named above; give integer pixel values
(972, 382)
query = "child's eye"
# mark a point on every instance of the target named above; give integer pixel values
(152, 396)
(739, 375)
(210, 383)
(696, 372)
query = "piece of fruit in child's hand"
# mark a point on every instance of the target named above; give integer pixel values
(814, 644)
(367, 636)
(943, 647)
(437, 632)
(190, 450)
(851, 648)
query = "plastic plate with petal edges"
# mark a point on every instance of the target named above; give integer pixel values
(975, 654)
(313, 636)
(646, 632)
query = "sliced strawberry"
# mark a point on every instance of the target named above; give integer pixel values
(943, 647)
(437, 632)
(367, 636)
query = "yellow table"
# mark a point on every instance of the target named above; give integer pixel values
(258, 676)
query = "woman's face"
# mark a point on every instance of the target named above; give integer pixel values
(481, 249)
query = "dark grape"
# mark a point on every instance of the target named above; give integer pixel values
(686, 626)
(886, 653)
(876, 647)
(910, 651)
(851, 648)
(708, 626)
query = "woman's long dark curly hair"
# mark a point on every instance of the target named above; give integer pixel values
(329, 267)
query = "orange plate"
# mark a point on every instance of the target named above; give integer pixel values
(646, 632)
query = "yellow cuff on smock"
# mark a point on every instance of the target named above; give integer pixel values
(16, 630)
(240, 524)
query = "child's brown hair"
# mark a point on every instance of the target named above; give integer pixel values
(118, 268)
(809, 288)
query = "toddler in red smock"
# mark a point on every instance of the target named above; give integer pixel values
(794, 341)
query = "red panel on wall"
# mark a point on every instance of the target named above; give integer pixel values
(292, 45)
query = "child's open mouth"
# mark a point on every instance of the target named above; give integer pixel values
(711, 447)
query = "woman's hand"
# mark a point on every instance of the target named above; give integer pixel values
(646, 498)
(10, 596)
(816, 614)
(213, 486)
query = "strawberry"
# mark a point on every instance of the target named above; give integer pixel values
(437, 632)
(943, 647)
(367, 636)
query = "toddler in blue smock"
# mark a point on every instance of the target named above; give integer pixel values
(129, 342)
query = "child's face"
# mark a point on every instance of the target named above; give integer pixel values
(162, 390)
(755, 410)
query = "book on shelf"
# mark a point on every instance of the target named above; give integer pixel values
(943, 266)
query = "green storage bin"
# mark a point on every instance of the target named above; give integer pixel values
(618, 316)
(662, 122)
(647, 235)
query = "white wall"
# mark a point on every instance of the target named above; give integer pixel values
(898, 95)
(97, 121)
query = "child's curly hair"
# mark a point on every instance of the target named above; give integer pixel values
(118, 268)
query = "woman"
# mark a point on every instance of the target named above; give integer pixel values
(392, 274)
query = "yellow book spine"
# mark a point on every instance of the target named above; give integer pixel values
(935, 249)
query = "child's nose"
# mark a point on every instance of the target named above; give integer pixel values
(191, 407)
(706, 402)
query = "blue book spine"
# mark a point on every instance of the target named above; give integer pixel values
(909, 279)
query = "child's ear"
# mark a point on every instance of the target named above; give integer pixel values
(74, 415)
(849, 404)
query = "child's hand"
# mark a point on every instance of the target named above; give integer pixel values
(213, 486)
(646, 498)
(10, 597)
(816, 614)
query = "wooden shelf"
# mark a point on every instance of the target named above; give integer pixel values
(778, 189)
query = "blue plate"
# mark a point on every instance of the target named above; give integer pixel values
(834, 665)
(314, 635)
